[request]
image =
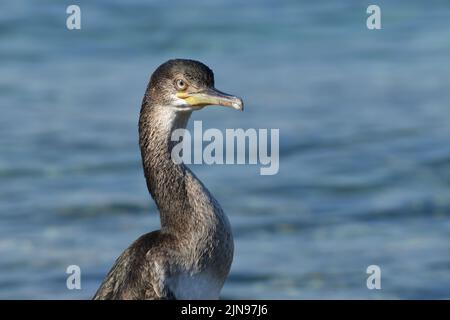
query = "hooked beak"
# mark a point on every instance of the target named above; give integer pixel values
(211, 96)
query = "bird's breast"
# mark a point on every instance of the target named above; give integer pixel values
(200, 286)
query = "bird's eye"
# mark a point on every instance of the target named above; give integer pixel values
(181, 84)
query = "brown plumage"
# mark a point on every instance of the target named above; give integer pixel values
(190, 257)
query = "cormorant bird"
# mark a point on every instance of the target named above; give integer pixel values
(190, 257)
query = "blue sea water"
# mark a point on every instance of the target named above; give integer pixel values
(364, 119)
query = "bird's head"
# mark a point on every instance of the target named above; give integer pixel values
(187, 85)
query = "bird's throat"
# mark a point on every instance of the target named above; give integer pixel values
(166, 180)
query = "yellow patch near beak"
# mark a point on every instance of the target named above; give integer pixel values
(211, 96)
(196, 100)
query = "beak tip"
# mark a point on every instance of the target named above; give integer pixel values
(239, 104)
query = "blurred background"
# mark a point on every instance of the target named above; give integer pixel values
(364, 142)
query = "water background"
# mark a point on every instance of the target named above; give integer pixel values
(364, 119)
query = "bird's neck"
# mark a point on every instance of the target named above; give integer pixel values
(166, 180)
(188, 211)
